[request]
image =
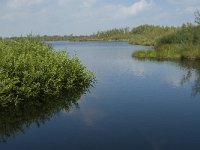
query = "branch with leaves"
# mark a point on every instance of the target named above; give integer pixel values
(197, 17)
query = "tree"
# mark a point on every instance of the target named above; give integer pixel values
(197, 17)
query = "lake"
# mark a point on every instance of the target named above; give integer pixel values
(134, 105)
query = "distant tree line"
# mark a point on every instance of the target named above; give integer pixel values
(141, 35)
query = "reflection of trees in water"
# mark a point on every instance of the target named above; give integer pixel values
(15, 119)
(190, 67)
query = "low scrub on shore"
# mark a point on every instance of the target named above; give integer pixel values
(183, 44)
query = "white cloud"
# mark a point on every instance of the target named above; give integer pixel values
(88, 3)
(111, 12)
(120, 11)
(135, 8)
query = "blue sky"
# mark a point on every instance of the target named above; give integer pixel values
(63, 17)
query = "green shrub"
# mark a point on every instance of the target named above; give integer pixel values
(30, 69)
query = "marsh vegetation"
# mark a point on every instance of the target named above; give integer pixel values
(32, 71)
(184, 43)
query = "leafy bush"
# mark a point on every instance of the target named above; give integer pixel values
(30, 69)
(187, 34)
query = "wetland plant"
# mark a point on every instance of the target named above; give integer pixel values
(31, 70)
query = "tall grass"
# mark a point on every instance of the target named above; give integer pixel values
(183, 44)
(148, 34)
(30, 69)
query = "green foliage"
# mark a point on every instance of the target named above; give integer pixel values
(187, 34)
(141, 35)
(168, 52)
(148, 34)
(30, 69)
(183, 44)
(121, 34)
(186, 40)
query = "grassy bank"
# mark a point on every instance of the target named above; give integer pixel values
(182, 44)
(31, 70)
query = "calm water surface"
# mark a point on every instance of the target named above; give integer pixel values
(135, 105)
